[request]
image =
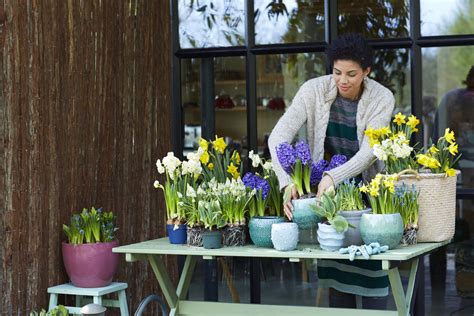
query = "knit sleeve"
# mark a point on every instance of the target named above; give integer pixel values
(287, 127)
(380, 115)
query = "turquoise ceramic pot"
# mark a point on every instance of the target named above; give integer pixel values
(386, 229)
(260, 230)
(303, 214)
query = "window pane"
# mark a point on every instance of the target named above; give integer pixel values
(448, 100)
(190, 94)
(374, 18)
(278, 79)
(442, 17)
(211, 23)
(231, 102)
(391, 68)
(288, 21)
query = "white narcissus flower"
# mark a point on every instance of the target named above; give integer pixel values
(268, 165)
(200, 191)
(380, 153)
(159, 167)
(255, 159)
(190, 192)
(171, 163)
(157, 184)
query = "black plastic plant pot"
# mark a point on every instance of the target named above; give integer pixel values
(212, 239)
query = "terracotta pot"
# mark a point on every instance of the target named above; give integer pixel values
(90, 265)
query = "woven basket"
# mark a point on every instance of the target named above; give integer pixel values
(437, 201)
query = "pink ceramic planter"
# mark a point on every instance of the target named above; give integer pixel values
(90, 265)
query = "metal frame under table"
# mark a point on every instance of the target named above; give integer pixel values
(152, 251)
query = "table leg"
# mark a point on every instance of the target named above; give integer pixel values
(164, 280)
(210, 280)
(255, 280)
(186, 276)
(402, 300)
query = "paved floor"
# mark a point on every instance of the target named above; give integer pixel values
(281, 283)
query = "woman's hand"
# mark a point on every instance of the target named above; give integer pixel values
(290, 194)
(324, 184)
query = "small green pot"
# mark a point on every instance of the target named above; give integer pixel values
(212, 239)
(386, 229)
(260, 229)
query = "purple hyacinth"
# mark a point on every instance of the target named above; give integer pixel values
(336, 161)
(317, 170)
(286, 156)
(303, 153)
(254, 181)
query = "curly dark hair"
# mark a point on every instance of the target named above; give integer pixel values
(351, 46)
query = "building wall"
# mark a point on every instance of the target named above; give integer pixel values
(84, 114)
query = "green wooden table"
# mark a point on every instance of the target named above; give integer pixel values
(152, 251)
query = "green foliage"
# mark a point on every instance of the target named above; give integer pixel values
(59, 310)
(211, 214)
(328, 208)
(91, 227)
(349, 197)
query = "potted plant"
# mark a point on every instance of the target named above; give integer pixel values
(178, 176)
(211, 216)
(331, 230)
(305, 175)
(431, 171)
(88, 256)
(260, 224)
(351, 207)
(194, 224)
(406, 202)
(384, 225)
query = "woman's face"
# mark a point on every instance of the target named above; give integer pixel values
(349, 75)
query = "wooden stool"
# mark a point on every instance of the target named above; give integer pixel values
(96, 293)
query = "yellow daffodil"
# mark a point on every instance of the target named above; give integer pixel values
(374, 192)
(433, 149)
(371, 133)
(428, 161)
(449, 136)
(399, 119)
(450, 172)
(453, 149)
(413, 123)
(236, 157)
(373, 142)
(384, 131)
(233, 171)
(364, 189)
(203, 144)
(204, 157)
(219, 144)
(389, 185)
(210, 166)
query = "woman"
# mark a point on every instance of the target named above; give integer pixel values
(337, 109)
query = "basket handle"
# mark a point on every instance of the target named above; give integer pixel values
(409, 171)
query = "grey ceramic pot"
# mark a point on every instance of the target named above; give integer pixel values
(303, 214)
(212, 239)
(260, 229)
(284, 236)
(352, 235)
(329, 239)
(386, 229)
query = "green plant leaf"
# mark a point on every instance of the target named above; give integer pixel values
(339, 223)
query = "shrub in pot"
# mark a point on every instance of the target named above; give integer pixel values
(331, 231)
(351, 206)
(88, 256)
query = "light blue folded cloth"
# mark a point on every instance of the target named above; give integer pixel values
(364, 250)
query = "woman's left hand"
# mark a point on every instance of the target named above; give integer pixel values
(324, 184)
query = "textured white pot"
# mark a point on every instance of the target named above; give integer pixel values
(284, 236)
(329, 239)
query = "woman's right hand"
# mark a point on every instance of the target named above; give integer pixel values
(287, 205)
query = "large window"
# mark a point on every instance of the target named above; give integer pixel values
(238, 64)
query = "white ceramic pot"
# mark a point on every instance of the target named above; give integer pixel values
(329, 239)
(284, 236)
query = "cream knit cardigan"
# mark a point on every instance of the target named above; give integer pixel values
(311, 105)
